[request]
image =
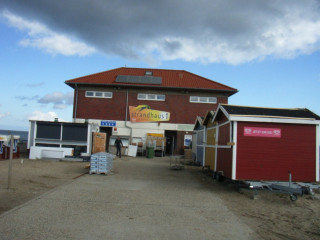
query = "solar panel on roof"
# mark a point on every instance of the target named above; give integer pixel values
(139, 79)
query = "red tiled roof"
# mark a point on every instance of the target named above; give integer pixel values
(170, 79)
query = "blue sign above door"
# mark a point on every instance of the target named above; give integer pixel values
(108, 123)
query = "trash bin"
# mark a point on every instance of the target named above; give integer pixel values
(150, 152)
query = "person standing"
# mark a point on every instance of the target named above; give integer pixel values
(118, 143)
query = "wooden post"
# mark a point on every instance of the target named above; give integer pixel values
(10, 162)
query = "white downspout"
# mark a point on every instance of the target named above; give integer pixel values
(76, 103)
(216, 149)
(234, 150)
(204, 146)
(317, 153)
(126, 121)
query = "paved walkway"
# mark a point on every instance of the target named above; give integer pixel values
(143, 199)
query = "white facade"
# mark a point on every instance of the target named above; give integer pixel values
(137, 132)
(56, 148)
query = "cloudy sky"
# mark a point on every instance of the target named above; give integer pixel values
(268, 50)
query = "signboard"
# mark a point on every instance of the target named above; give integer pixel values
(143, 113)
(262, 132)
(108, 123)
(185, 127)
(132, 150)
(187, 140)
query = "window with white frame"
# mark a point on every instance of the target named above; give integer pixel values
(196, 99)
(98, 94)
(153, 97)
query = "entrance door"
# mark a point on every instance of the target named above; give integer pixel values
(200, 147)
(171, 142)
(108, 131)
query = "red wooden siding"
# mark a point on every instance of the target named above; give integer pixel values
(224, 134)
(6, 153)
(224, 155)
(268, 158)
(224, 161)
(222, 118)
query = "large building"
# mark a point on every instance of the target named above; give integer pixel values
(134, 103)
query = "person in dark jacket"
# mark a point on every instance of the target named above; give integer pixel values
(118, 143)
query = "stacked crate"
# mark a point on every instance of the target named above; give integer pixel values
(101, 163)
(188, 156)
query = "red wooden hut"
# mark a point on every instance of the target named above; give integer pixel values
(256, 143)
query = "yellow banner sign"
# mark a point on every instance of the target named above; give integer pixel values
(143, 113)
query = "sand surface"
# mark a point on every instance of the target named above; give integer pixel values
(271, 215)
(31, 178)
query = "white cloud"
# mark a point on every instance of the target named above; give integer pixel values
(27, 98)
(33, 85)
(58, 99)
(39, 36)
(295, 37)
(58, 44)
(233, 31)
(69, 98)
(286, 39)
(3, 115)
(38, 115)
(55, 97)
(60, 106)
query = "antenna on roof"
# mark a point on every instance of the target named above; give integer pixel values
(125, 65)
